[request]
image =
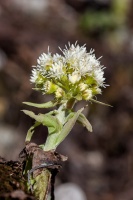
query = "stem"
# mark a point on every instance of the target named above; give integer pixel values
(42, 185)
(50, 143)
(42, 167)
(61, 115)
(31, 131)
(43, 180)
(51, 139)
(70, 104)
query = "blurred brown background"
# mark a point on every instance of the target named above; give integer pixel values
(100, 163)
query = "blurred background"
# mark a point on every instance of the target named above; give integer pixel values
(100, 164)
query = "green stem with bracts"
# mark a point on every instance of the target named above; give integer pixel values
(59, 123)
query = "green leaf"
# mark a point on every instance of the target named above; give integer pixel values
(31, 131)
(30, 114)
(42, 105)
(104, 104)
(48, 120)
(84, 121)
(68, 127)
(69, 116)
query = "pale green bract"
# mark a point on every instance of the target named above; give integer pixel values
(57, 131)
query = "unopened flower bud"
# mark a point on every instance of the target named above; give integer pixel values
(97, 91)
(49, 87)
(59, 93)
(87, 94)
(82, 86)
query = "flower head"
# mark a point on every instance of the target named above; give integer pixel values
(74, 74)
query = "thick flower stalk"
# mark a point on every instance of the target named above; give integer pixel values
(73, 76)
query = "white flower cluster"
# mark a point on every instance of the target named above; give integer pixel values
(75, 74)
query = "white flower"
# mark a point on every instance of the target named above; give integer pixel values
(98, 75)
(75, 74)
(93, 62)
(57, 57)
(74, 77)
(56, 70)
(34, 76)
(74, 52)
(44, 63)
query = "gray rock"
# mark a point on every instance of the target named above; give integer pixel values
(11, 142)
(69, 191)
